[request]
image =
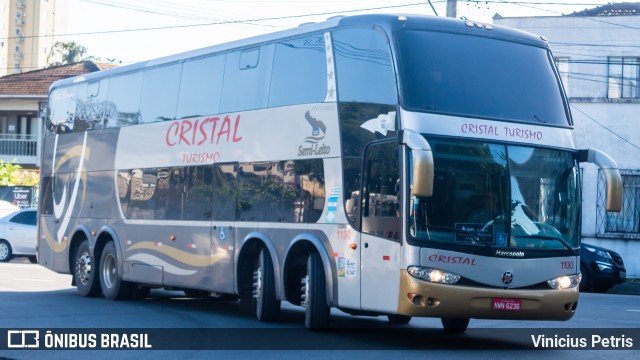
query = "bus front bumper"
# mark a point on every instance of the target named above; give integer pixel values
(425, 299)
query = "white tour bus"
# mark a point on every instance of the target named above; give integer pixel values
(379, 164)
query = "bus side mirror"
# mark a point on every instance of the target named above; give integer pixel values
(611, 175)
(422, 181)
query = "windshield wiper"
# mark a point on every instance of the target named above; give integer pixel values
(545, 237)
(465, 232)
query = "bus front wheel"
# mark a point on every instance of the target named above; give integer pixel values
(314, 294)
(85, 271)
(113, 287)
(455, 325)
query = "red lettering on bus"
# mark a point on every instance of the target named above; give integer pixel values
(195, 132)
(452, 259)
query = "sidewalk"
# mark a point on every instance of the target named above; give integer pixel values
(630, 287)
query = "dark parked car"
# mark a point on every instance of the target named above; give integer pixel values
(601, 268)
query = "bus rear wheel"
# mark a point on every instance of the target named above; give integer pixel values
(314, 294)
(455, 325)
(113, 287)
(266, 304)
(85, 271)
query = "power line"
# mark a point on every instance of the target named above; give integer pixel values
(226, 22)
(604, 127)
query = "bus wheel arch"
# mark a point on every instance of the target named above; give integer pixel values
(258, 278)
(108, 249)
(295, 267)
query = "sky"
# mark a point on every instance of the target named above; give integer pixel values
(125, 31)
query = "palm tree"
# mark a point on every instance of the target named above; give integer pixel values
(68, 53)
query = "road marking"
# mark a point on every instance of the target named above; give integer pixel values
(41, 280)
(633, 310)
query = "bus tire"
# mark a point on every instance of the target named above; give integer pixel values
(5, 251)
(85, 271)
(314, 294)
(455, 325)
(267, 306)
(113, 287)
(397, 319)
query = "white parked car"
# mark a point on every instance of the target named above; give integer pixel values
(18, 234)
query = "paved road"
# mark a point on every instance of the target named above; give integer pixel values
(34, 297)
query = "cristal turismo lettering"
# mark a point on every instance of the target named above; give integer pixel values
(196, 132)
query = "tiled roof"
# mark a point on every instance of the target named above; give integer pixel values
(617, 9)
(37, 82)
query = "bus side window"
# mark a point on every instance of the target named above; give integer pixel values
(159, 95)
(366, 90)
(224, 192)
(200, 87)
(62, 110)
(299, 72)
(380, 202)
(126, 108)
(246, 79)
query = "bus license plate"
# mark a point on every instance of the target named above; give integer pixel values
(502, 304)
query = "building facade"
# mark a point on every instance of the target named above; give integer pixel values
(28, 30)
(598, 55)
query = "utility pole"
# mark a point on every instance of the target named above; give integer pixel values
(452, 8)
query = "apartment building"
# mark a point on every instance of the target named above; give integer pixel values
(28, 30)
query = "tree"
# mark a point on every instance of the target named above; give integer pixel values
(63, 53)
(12, 175)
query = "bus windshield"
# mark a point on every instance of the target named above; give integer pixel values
(499, 196)
(481, 77)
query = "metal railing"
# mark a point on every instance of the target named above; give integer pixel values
(18, 145)
(626, 223)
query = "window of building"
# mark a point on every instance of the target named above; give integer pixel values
(624, 73)
(626, 223)
(563, 68)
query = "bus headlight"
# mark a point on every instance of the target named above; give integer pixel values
(433, 275)
(565, 282)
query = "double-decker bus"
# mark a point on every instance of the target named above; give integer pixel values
(398, 165)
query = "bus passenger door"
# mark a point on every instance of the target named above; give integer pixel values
(223, 232)
(381, 228)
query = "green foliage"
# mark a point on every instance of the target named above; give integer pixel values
(7, 171)
(12, 175)
(63, 53)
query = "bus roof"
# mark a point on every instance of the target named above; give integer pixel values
(389, 22)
